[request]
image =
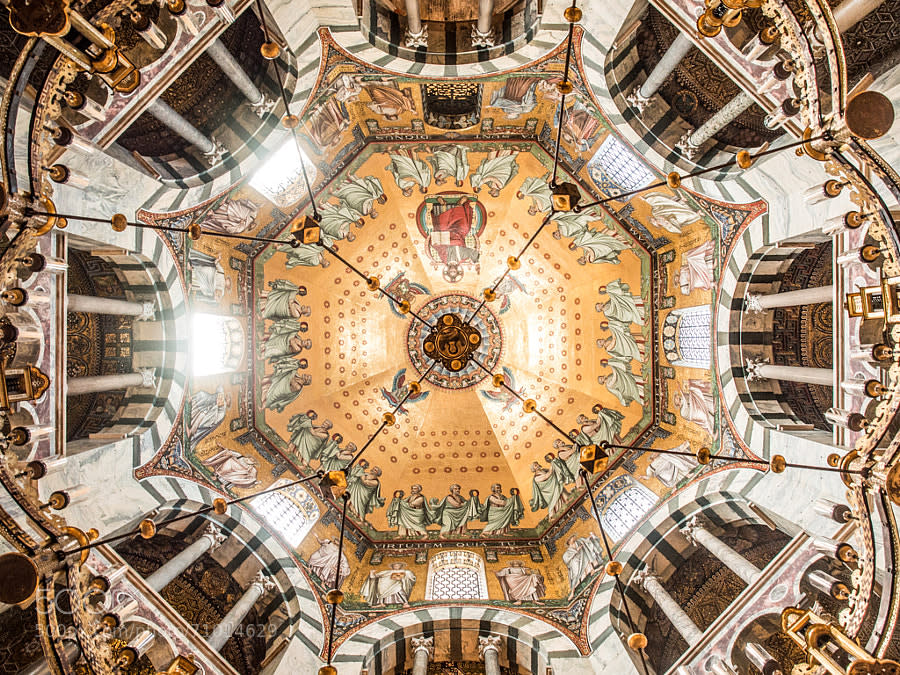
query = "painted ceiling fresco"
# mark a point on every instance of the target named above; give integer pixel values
(431, 185)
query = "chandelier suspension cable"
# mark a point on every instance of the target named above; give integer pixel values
(335, 596)
(674, 179)
(573, 14)
(218, 506)
(614, 569)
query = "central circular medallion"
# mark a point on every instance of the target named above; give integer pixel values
(461, 336)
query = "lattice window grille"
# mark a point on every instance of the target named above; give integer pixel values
(619, 166)
(291, 512)
(456, 575)
(626, 510)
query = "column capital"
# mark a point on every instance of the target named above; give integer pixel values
(423, 643)
(263, 581)
(148, 311)
(684, 145)
(148, 377)
(753, 303)
(216, 153)
(488, 643)
(690, 528)
(416, 40)
(215, 535)
(644, 576)
(637, 101)
(753, 369)
(479, 39)
(264, 106)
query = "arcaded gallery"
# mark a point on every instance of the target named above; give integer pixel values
(450, 337)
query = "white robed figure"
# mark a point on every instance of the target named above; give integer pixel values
(495, 171)
(307, 255)
(325, 563)
(207, 412)
(570, 224)
(599, 246)
(389, 587)
(520, 584)
(621, 381)
(208, 280)
(570, 454)
(583, 556)
(606, 427)
(538, 191)
(621, 342)
(411, 516)
(499, 513)
(696, 271)
(695, 403)
(365, 492)
(621, 305)
(284, 337)
(283, 301)
(669, 214)
(307, 437)
(454, 511)
(231, 468)
(361, 194)
(547, 491)
(517, 96)
(284, 384)
(337, 219)
(409, 171)
(452, 162)
(233, 217)
(669, 469)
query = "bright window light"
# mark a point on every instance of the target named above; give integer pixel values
(626, 510)
(615, 168)
(217, 344)
(280, 178)
(290, 512)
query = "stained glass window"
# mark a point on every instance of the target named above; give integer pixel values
(291, 512)
(615, 168)
(456, 575)
(626, 510)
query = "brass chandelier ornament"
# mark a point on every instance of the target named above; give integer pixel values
(452, 342)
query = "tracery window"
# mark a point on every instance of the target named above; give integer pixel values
(291, 512)
(456, 575)
(280, 177)
(686, 337)
(217, 344)
(626, 510)
(616, 169)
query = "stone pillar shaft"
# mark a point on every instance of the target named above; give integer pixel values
(765, 371)
(733, 560)
(167, 116)
(669, 61)
(236, 614)
(229, 65)
(673, 611)
(805, 296)
(725, 116)
(413, 22)
(94, 305)
(485, 13)
(98, 383)
(851, 12)
(165, 574)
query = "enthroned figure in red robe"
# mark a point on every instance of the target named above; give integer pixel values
(451, 225)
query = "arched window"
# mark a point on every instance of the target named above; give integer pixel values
(626, 510)
(615, 169)
(217, 344)
(290, 512)
(456, 575)
(686, 337)
(280, 178)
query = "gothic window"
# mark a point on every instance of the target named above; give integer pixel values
(291, 512)
(686, 337)
(626, 510)
(615, 168)
(280, 177)
(456, 575)
(217, 344)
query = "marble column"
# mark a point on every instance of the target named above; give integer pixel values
(760, 370)
(423, 652)
(72, 651)
(209, 541)
(482, 36)
(416, 34)
(760, 302)
(680, 620)
(851, 12)
(489, 651)
(700, 536)
(691, 141)
(97, 383)
(762, 660)
(236, 614)
(640, 97)
(211, 150)
(229, 65)
(94, 305)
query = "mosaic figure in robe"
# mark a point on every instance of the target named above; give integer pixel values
(284, 337)
(307, 438)
(207, 412)
(538, 191)
(408, 171)
(283, 385)
(521, 584)
(547, 491)
(454, 511)
(361, 195)
(495, 171)
(325, 562)
(500, 513)
(389, 587)
(621, 304)
(365, 492)
(450, 162)
(410, 515)
(583, 556)
(621, 381)
(283, 300)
